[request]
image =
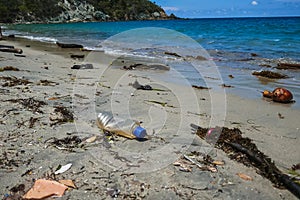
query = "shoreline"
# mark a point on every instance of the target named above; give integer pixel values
(259, 120)
(227, 71)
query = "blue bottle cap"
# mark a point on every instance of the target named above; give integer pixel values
(139, 132)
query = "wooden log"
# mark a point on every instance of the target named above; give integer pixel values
(288, 66)
(77, 56)
(63, 45)
(10, 50)
(6, 46)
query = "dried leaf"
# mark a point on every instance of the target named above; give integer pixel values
(212, 169)
(63, 168)
(52, 98)
(68, 183)
(245, 177)
(176, 163)
(91, 139)
(45, 188)
(218, 162)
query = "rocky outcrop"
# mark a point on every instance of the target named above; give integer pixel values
(76, 11)
(61, 11)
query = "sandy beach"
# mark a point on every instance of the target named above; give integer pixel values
(48, 119)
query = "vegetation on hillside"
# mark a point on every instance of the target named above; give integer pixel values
(43, 10)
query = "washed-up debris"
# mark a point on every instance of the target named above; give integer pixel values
(91, 139)
(201, 58)
(83, 66)
(128, 128)
(163, 104)
(205, 163)
(16, 192)
(13, 81)
(47, 83)
(296, 167)
(280, 116)
(172, 54)
(269, 74)
(67, 143)
(138, 86)
(20, 55)
(32, 121)
(77, 56)
(8, 68)
(12, 50)
(113, 192)
(147, 67)
(281, 95)
(200, 87)
(63, 169)
(30, 103)
(286, 65)
(243, 150)
(64, 45)
(227, 86)
(245, 177)
(43, 188)
(7, 46)
(69, 183)
(61, 115)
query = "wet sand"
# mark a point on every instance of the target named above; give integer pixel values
(36, 137)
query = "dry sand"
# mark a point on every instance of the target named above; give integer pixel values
(125, 168)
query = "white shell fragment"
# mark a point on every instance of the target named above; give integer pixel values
(63, 168)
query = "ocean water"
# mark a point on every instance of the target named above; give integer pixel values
(230, 43)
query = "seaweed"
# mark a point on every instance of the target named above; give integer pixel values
(8, 68)
(61, 115)
(47, 83)
(243, 150)
(30, 103)
(201, 87)
(67, 143)
(270, 74)
(13, 81)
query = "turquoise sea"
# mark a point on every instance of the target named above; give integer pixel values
(230, 42)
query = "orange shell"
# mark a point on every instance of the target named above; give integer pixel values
(282, 95)
(267, 93)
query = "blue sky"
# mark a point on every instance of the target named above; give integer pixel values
(230, 8)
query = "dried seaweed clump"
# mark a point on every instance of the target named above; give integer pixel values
(243, 150)
(30, 103)
(270, 74)
(60, 115)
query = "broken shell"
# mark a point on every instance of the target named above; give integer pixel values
(282, 95)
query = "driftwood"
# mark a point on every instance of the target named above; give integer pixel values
(269, 74)
(243, 150)
(288, 66)
(7, 46)
(200, 87)
(63, 45)
(83, 66)
(77, 56)
(173, 54)
(11, 50)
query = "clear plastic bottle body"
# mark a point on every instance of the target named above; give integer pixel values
(124, 127)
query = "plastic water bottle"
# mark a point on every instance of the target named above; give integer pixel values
(127, 128)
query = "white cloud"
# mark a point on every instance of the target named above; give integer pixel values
(254, 3)
(170, 8)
